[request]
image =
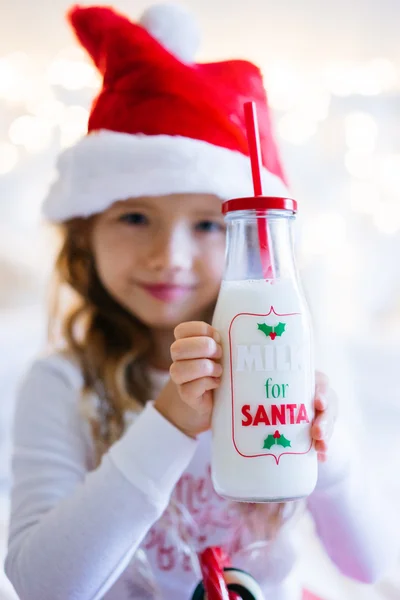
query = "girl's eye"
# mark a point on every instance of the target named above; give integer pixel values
(134, 219)
(209, 226)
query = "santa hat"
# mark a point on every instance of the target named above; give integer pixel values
(161, 124)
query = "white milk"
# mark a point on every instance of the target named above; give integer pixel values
(262, 449)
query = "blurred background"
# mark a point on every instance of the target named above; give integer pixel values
(332, 72)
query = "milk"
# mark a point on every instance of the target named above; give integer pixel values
(262, 449)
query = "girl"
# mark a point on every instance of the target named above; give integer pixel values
(112, 492)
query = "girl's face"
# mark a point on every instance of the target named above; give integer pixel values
(162, 258)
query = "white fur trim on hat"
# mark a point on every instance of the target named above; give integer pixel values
(107, 166)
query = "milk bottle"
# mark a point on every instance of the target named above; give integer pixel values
(262, 449)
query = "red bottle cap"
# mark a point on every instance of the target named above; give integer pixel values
(260, 203)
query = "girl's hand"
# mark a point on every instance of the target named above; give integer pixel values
(187, 401)
(326, 409)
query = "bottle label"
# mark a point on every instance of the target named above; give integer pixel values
(271, 384)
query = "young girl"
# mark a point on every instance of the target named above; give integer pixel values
(112, 492)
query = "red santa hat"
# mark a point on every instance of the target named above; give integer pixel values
(162, 123)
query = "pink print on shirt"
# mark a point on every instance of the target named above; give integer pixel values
(213, 521)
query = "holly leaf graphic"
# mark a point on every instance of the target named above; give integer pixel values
(269, 442)
(265, 328)
(279, 329)
(273, 331)
(282, 441)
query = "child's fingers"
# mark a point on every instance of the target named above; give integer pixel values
(321, 382)
(321, 446)
(326, 406)
(195, 347)
(195, 329)
(320, 403)
(194, 392)
(319, 427)
(322, 428)
(184, 371)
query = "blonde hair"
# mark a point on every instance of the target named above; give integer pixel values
(111, 346)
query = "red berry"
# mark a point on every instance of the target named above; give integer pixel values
(277, 435)
(272, 335)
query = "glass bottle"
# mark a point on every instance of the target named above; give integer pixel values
(262, 449)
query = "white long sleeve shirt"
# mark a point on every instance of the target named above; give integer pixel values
(76, 530)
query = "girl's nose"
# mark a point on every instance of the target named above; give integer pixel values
(172, 250)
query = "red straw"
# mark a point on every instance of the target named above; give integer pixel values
(253, 138)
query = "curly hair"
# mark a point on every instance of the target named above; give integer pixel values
(109, 343)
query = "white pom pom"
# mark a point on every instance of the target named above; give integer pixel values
(175, 28)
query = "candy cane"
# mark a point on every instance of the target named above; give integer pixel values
(212, 562)
(223, 582)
